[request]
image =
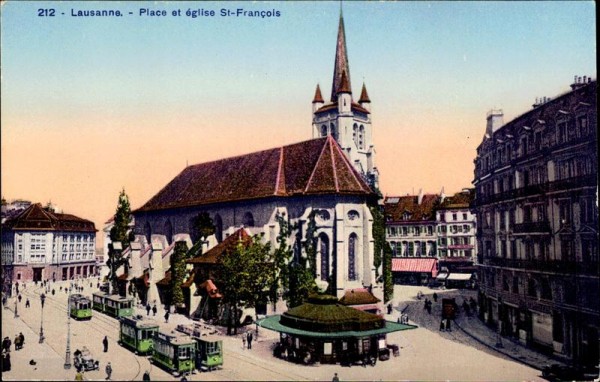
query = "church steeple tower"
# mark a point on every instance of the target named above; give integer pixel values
(347, 121)
(341, 61)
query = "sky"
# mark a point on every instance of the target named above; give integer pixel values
(94, 105)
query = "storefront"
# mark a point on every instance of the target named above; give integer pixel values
(414, 271)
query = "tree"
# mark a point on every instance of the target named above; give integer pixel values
(281, 258)
(379, 248)
(244, 274)
(178, 273)
(203, 227)
(120, 233)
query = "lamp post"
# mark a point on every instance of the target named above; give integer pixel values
(42, 299)
(67, 364)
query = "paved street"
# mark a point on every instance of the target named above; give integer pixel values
(425, 353)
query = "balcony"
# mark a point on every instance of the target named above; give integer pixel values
(571, 183)
(532, 227)
(557, 266)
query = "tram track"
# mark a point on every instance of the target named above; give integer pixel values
(99, 322)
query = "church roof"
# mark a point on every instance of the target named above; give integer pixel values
(364, 97)
(317, 166)
(213, 255)
(341, 62)
(334, 106)
(36, 218)
(318, 97)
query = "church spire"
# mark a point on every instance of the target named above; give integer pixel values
(318, 97)
(364, 96)
(341, 61)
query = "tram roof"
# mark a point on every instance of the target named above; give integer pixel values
(272, 323)
(144, 323)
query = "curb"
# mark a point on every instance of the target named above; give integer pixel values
(521, 360)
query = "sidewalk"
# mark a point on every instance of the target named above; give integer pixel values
(476, 329)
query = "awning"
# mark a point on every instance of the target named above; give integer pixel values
(442, 276)
(272, 323)
(459, 276)
(365, 307)
(415, 265)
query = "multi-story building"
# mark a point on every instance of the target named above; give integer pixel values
(431, 234)
(537, 208)
(40, 244)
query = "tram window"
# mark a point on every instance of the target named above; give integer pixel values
(184, 352)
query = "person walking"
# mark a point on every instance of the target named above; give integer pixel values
(154, 310)
(79, 376)
(146, 376)
(27, 304)
(108, 370)
(105, 343)
(21, 340)
(335, 378)
(20, 297)
(435, 296)
(243, 341)
(249, 339)
(148, 309)
(166, 316)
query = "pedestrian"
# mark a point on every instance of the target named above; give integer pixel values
(17, 343)
(154, 310)
(148, 309)
(21, 340)
(7, 366)
(442, 326)
(3, 300)
(435, 297)
(79, 376)
(335, 378)
(249, 339)
(53, 291)
(105, 343)
(6, 344)
(389, 308)
(448, 327)
(27, 304)
(146, 376)
(243, 341)
(166, 316)
(108, 370)
(20, 297)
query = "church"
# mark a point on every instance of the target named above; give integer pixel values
(331, 177)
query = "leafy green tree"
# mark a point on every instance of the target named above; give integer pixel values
(203, 227)
(120, 233)
(281, 258)
(178, 273)
(243, 277)
(380, 246)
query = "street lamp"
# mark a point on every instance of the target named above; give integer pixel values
(42, 299)
(67, 364)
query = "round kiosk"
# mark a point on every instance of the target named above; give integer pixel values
(323, 330)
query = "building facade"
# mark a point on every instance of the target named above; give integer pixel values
(537, 207)
(431, 236)
(39, 244)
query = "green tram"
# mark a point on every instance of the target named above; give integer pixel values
(80, 307)
(113, 305)
(176, 353)
(209, 353)
(138, 334)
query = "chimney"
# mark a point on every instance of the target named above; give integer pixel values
(495, 120)
(579, 81)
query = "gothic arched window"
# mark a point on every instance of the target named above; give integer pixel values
(333, 131)
(248, 220)
(324, 250)
(148, 232)
(323, 131)
(352, 244)
(355, 134)
(361, 137)
(168, 230)
(218, 222)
